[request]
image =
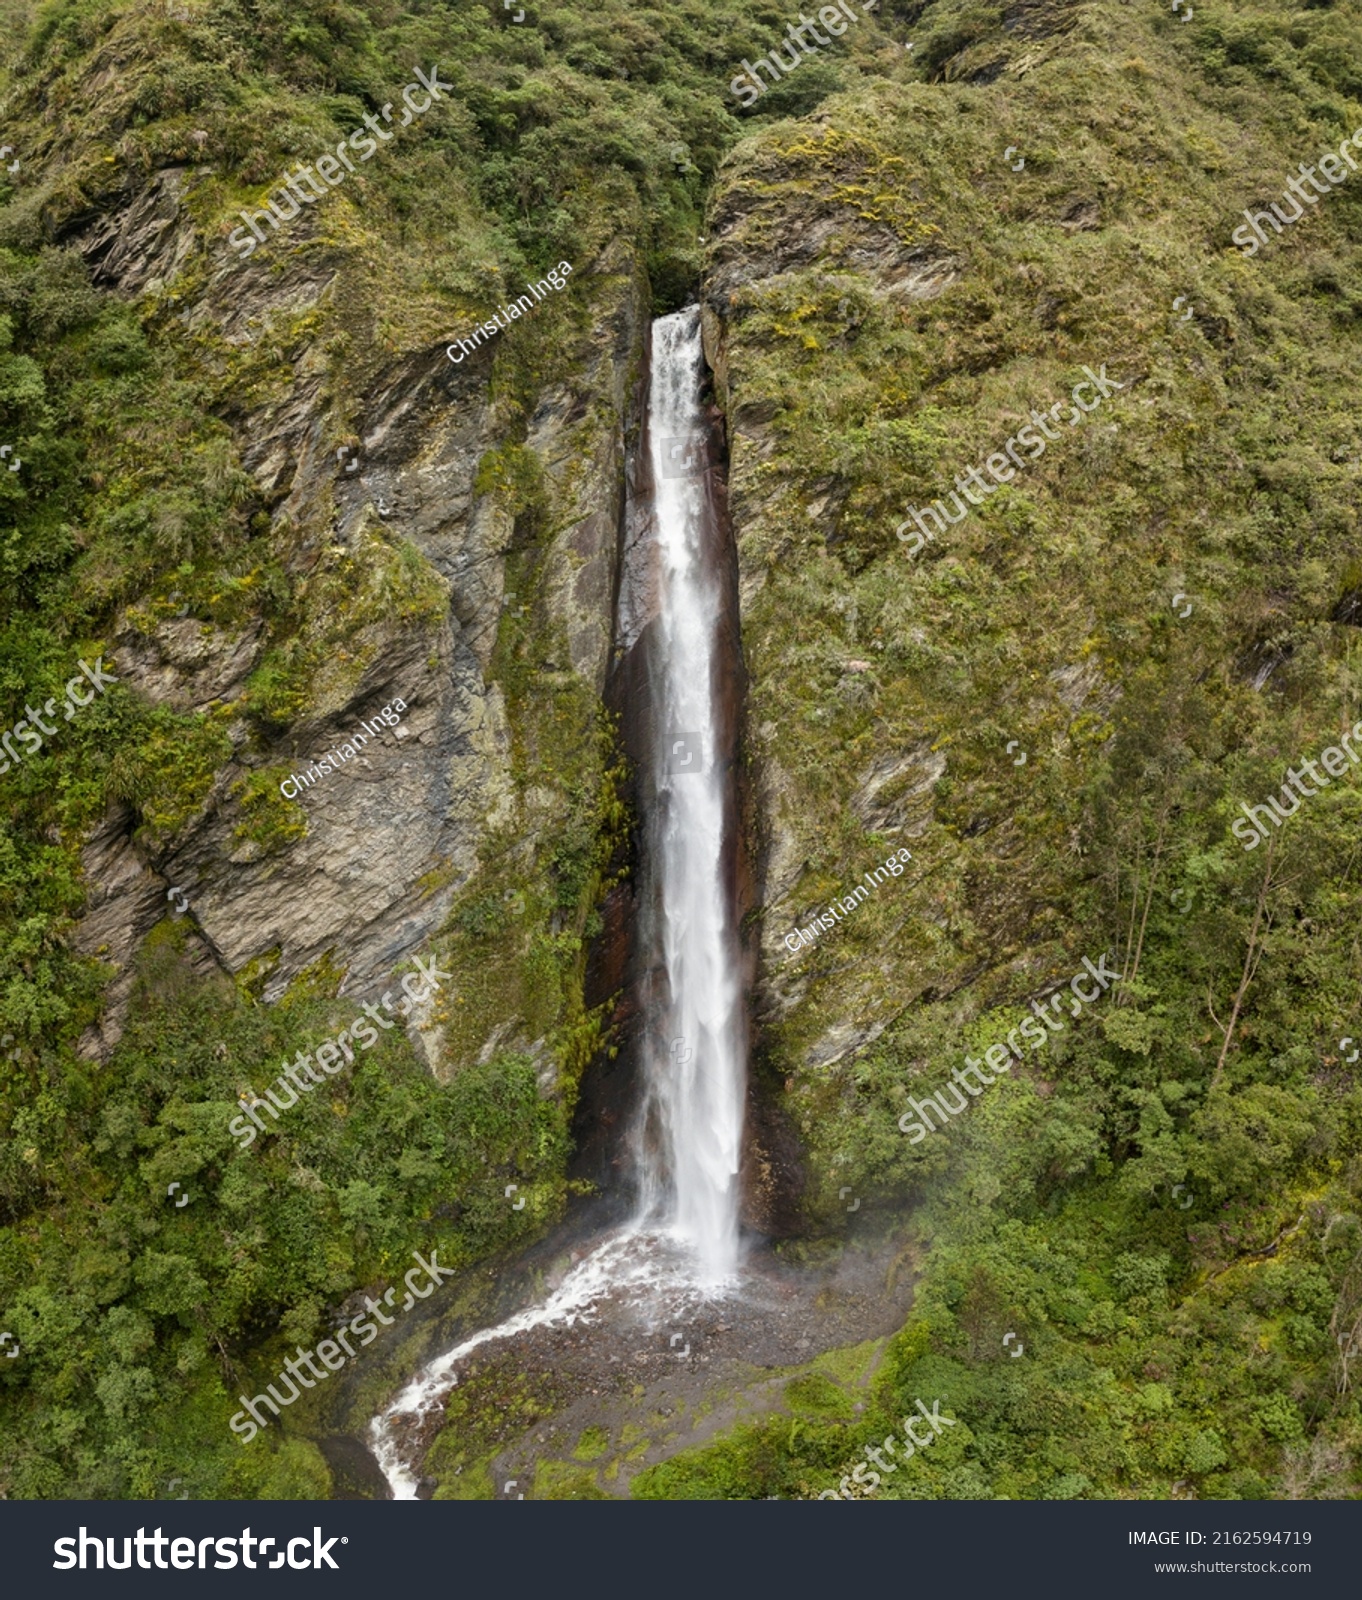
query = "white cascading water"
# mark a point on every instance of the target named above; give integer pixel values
(683, 1240)
(695, 1064)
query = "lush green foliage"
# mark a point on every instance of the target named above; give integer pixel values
(132, 508)
(1166, 1350)
(127, 1305)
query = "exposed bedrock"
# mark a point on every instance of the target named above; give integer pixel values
(394, 833)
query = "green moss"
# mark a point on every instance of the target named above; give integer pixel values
(494, 1402)
(850, 1365)
(521, 964)
(817, 1396)
(294, 1470)
(399, 584)
(513, 474)
(592, 1445)
(269, 820)
(168, 765)
(279, 688)
(557, 1480)
(338, 618)
(737, 1468)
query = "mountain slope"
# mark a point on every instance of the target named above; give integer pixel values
(1159, 611)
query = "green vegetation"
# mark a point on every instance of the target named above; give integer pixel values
(493, 1403)
(126, 1298)
(592, 1445)
(271, 820)
(894, 298)
(1163, 1204)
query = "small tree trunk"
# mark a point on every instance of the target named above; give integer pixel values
(1252, 956)
(1123, 996)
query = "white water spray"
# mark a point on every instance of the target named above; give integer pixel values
(694, 1063)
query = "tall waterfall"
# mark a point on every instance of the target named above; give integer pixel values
(682, 1244)
(690, 1135)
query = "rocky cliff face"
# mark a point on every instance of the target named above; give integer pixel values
(789, 232)
(398, 561)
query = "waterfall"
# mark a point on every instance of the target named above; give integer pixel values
(682, 1244)
(689, 1140)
